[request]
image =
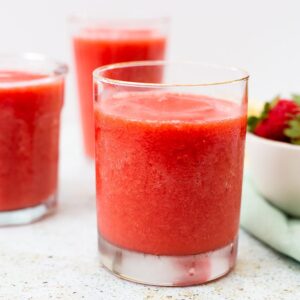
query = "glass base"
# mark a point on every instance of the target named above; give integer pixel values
(168, 270)
(28, 215)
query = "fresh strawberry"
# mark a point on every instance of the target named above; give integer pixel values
(280, 120)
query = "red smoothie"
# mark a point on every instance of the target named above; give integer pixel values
(29, 131)
(169, 171)
(94, 47)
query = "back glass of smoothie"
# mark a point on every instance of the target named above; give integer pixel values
(169, 165)
(97, 44)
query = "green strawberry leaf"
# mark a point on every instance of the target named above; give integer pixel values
(296, 142)
(296, 98)
(293, 131)
(253, 120)
(267, 107)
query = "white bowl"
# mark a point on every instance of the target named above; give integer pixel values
(274, 168)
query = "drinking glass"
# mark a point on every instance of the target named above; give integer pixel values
(169, 167)
(98, 42)
(31, 98)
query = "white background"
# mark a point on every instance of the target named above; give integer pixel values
(261, 36)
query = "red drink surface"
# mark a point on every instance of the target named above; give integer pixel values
(29, 130)
(96, 47)
(169, 171)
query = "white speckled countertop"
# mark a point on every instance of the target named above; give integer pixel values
(57, 257)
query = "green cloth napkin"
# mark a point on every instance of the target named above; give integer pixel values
(268, 223)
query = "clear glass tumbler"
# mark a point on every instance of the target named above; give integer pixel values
(98, 42)
(31, 98)
(169, 167)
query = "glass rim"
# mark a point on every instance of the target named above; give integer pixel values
(83, 17)
(59, 68)
(99, 77)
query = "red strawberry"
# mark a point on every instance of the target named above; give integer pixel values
(275, 120)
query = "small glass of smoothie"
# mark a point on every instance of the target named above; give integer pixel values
(169, 167)
(31, 99)
(100, 42)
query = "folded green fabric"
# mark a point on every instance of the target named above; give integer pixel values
(268, 223)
